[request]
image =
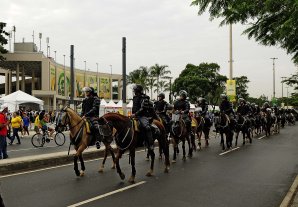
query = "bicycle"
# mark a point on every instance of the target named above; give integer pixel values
(39, 139)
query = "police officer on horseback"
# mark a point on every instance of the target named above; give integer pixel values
(143, 109)
(243, 109)
(226, 106)
(183, 106)
(90, 111)
(161, 107)
(202, 102)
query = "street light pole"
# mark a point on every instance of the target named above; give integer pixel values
(273, 59)
(231, 53)
(55, 55)
(282, 88)
(111, 88)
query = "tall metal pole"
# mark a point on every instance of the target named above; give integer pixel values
(124, 75)
(287, 97)
(72, 77)
(14, 36)
(64, 75)
(231, 53)
(40, 36)
(273, 59)
(282, 89)
(97, 82)
(55, 55)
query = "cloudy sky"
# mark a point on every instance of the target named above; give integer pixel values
(158, 31)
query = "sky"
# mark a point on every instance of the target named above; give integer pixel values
(167, 32)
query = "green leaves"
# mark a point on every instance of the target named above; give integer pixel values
(3, 40)
(271, 22)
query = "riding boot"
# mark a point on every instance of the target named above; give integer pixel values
(97, 135)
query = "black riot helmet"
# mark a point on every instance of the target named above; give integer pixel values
(161, 95)
(137, 88)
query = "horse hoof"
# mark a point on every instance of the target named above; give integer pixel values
(167, 169)
(147, 159)
(77, 173)
(190, 155)
(199, 148)
(184, 158)
(131, 179)
(100, 170)
(174, 161)
(122, 176)
(149, 174)
(82, 174)
(113, 167)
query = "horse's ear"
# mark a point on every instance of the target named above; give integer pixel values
(64, 109)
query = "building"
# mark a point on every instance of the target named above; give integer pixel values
(31, 71)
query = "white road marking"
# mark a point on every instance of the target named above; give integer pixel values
(50, 168)
(107, 194)
(223, 153)
(35, 148)
(262, 137)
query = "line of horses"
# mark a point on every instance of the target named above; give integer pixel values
(128, 136)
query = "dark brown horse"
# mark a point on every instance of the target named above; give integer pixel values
(179, 133)
(80, 137)
(127, 138)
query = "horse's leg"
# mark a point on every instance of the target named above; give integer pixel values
(118, 156)
(206, 135)
(113, 157)
(222, 141)
(104, 160)
(165, 148)
(193, 139)
(82, 165)
(175, 150)
(152, 156)
(133, 168)
(236, 137)
(243, 134)
(183, 149)
(75, 165)
(160, 148)
(199, 139)
(189, 146)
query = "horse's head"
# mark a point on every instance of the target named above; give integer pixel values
(176, 122)
(113, 120)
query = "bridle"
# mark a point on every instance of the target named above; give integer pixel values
(67, 121)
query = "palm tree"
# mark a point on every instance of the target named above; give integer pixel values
(159, 71)
(151, 82)
(139, 76)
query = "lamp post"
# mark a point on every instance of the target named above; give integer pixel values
(282, 88)
(97, 82)
(14, 36)
(55, 55)
(85, 73)
(231, 53)
(273, 59)
(40, 36)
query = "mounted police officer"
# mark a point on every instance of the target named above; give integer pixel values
(243, 109)
(226, 106)
(265, 107)
(202, 102)
(143, 109)
(183, 106)
(90, 111)
(161, 107)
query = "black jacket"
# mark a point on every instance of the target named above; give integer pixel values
(182, 105)
(243, 110)
(226, 107)
(160, 106)
(142, 106)
(204, 107)
(90, 106)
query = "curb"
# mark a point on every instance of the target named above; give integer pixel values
(287, 201)
(33, 164)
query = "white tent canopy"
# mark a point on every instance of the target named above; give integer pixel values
(111, 104)
(129, 105)
(103, 102)
(119, 104)
(13, 100)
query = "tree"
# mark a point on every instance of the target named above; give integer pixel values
(241, 86)
(3, 40)
(202, 80)
(270, 22)
(160, 72)
(151, 80)
(139, 76)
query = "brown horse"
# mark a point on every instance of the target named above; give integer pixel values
(126, 139)
(80, 137)
(179, 133)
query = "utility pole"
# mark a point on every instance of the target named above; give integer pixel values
(282, 88)
(40, 36)
(124, 75)
(273, 59)
(14, 36)
(72, 78)
(231, 53)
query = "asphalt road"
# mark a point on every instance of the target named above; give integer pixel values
(256, 175)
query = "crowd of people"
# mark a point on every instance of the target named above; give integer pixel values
(16, 125)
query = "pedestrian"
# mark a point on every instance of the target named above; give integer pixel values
(31, 117)
(3, 131)
(26, 122)
(16, 123)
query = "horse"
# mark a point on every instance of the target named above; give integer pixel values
(276, 121)
(258, 124)
(202, 126)
(127, 137)
(80, 137)
(223, 126)
(179, 133)
(266, 122)
(243, 124)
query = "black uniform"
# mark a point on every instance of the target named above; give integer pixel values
(204, 107)
(161, 109)
(90, 109)
(243, 110)
(143, 109)
(183, 105)
(226, 107)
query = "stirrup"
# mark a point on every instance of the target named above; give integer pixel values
(97, 144)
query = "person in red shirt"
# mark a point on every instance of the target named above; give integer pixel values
(3, 131)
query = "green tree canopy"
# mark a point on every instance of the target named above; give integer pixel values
(241, 86)
(159, 72)
(202, 80)
(3, 40)
(139, 76)
(270, 22)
